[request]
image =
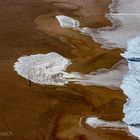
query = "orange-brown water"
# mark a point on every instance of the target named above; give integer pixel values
(50, 112)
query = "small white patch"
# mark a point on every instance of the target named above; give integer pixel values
(67, 22)
(95, 123)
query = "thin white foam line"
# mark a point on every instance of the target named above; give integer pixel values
(80, 120)
(117, 14)
(123, 14)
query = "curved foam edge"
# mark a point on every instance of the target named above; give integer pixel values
(99, 123)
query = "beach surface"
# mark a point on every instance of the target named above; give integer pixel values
(33, 111)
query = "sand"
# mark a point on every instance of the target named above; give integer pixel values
(53, 112)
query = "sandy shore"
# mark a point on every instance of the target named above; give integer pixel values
(52, 112)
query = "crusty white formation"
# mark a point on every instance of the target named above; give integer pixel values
(46, 69)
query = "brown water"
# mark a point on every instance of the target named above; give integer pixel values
(50, 112)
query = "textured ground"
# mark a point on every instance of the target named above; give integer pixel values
(49, 112)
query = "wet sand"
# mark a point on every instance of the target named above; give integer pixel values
(50, 112)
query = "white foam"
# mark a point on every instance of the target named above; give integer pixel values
(135, 131)
(98, 123)
(68, 22)
(49, 69)
(43, 68)
(131, 86)
(117, 38)
(127, 6)
(110, 78)
(124, 15)
(133, 50)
